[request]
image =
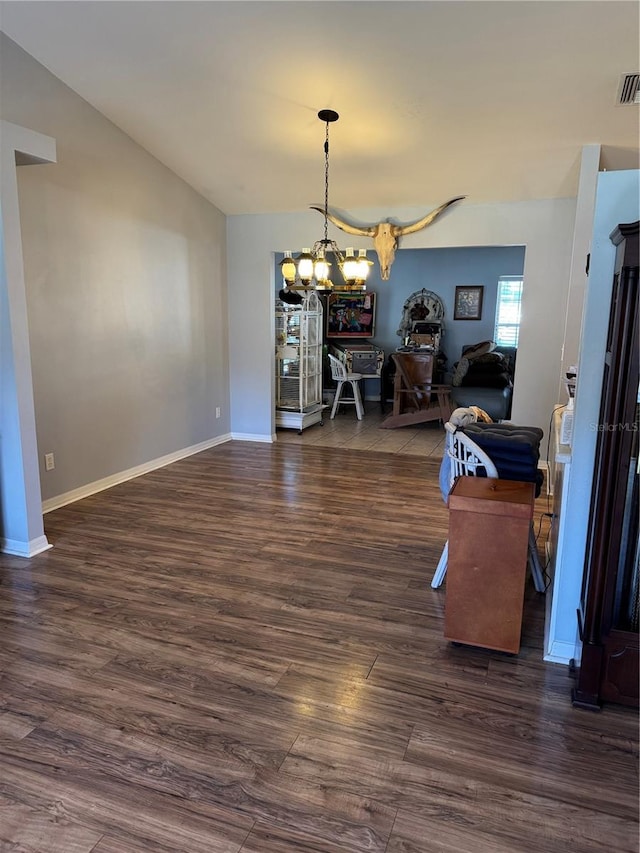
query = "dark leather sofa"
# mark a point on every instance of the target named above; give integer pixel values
(485, 380)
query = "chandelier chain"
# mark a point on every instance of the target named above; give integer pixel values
(311, 268)
(326, 181)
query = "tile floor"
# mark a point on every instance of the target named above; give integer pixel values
(345, 430)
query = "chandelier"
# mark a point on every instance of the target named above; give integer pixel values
(312, 268)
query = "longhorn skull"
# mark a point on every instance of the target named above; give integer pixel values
(385, 234)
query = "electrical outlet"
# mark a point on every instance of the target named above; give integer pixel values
(49, 462)
(218, 411)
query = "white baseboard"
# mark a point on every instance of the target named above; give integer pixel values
(561, 652)
(115, 479)
(16, 548)
(248, 436)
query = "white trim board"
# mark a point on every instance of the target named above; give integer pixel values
(14, 548)
(561, 652)
(115, 479)
(247, 436)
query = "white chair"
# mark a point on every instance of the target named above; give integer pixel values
(339, 374)
(465, 458)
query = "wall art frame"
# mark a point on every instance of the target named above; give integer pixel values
(351, 315)
(468, 302)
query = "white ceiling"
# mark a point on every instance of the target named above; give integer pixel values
(492, 100)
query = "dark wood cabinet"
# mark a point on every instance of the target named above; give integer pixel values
(608, 613)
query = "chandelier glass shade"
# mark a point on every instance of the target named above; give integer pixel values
(312, 268)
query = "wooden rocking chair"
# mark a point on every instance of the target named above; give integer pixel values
(413, 392)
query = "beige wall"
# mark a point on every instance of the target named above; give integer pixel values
(125, 273)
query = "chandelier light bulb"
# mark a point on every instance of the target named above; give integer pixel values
(305, 265)
(288, 268)
(321, 267)
(364, 265)
(350, 267)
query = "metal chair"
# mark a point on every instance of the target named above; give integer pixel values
(340, 375)
(466, 458)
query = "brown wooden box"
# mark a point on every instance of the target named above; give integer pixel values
(488, 540)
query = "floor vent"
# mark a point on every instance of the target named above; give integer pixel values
(629, 89)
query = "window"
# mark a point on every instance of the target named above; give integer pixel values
(508, 311)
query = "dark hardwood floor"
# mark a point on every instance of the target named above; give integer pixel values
(242, 652)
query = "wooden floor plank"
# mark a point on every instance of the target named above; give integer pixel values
(445, 792)
(450, 833)
(116, 807)
(27, 830)
(241, 653)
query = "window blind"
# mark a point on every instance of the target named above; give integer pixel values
(508, 301)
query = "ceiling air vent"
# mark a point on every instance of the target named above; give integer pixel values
(629, 89)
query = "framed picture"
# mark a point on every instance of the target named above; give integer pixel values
(468, 304)
(351, 315)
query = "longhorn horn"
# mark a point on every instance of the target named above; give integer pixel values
(345, 226)
(401, 230)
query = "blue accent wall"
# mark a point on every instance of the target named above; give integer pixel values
(440, 270)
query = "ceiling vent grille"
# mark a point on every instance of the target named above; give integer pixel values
(629, 89)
